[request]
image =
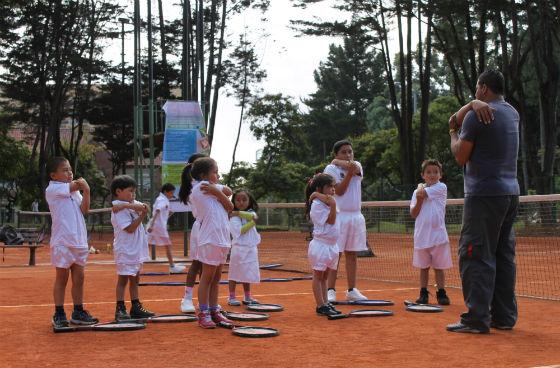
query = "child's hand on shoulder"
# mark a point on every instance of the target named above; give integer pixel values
(227, 191)
(420, 191)
(234, 213)
(209, 189)
(82, 184)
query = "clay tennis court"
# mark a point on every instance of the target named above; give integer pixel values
(305, 339)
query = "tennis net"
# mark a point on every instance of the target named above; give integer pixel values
(286, 233)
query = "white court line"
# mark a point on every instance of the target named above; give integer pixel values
(178, 299)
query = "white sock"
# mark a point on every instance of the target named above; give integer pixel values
(188, 292)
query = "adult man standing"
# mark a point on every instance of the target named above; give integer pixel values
(488, 152)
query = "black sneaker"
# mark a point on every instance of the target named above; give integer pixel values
(59, 321)
(83, 318)
(442, 297)
(333, 308)
(121, 314)
(460, 327)
(323, 310)
(138, 311)
(424, 296)
(499, 326)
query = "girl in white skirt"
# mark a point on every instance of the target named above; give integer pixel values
(323, 250)
(211, 207)
(244, 259)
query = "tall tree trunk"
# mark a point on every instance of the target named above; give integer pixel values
(409, 97)
(200, 53)
(218, 79)
(166, 89)
(210, 72)
(425, 77)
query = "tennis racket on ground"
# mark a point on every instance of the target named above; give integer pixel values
(359, 313)
(235, 316)
(110, 326)
(164, 318)
(249, 331)
(269, 266)
(265, 307)
(369, 302)
(422, 308)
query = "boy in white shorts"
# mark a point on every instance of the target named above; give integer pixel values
(348, 175)
(68, 242)
(157, 227)
(431, 243)
(130, 245)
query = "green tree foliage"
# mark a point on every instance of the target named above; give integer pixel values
(16, 184)
(111, 115)
(346, 83)
(49, 69)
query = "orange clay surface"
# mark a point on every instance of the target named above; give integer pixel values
(306, 340)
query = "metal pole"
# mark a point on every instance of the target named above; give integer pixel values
(136, 91)
(151, 101)
(123, 21)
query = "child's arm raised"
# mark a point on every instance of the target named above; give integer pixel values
(222, 198)
(227, 191)
(138, 207)
(320, 196)
(347, 165)
(84, 187)
(332, 213)
(136, 222)
(351, 169)
(420, 196)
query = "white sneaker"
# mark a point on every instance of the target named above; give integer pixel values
(355, 295)
(331, 295)
(187, 306)
(176, 269)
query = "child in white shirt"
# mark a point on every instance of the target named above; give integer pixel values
(130, 245)
(323, 249)
(431, 243)
(157, 226)
(211, 207)
(68, 242)
(348, 176)
(244, 259)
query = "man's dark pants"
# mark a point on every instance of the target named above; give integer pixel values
(487, 261)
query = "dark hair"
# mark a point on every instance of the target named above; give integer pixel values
(431, 162)
(194, 157)
(317, 182)
(186, 177)
(167, 187)
(194, 171)
(253, 205)
(122, 182)
(338, 145)
(54, 163)
(492, 79)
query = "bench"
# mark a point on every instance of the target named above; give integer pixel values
(33, 237)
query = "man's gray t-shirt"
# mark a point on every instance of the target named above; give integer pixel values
(492, 166)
